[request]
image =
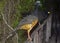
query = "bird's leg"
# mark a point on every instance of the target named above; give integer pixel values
(29, 37)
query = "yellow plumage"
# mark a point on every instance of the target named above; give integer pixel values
(28, 26)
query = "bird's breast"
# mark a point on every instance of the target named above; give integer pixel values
(34, 22)
(26, 26)
(29, 26)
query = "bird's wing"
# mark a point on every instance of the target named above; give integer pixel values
(27, 20)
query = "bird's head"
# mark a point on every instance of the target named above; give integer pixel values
(38, 3)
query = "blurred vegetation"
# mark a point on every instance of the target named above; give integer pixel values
(1, 4)
(22, 7)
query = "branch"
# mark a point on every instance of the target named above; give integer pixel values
(11, 33)
(6, 21)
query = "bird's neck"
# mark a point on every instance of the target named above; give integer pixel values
(35, 13)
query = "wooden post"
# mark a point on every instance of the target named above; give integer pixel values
(48, 29)
(36, 38)
(40, 35)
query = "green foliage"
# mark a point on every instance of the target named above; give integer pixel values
(16, 20)
(0, 18)
(42, 7)
(2, 2)
(22, 36)
(26, 5)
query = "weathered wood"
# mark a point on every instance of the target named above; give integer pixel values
(48, 28)
(52, 40)
(36, 38)
(40, 37)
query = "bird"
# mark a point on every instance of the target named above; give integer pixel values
(30, 21)
(27, 24)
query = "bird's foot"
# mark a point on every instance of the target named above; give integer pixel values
(29, 39)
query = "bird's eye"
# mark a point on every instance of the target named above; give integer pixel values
(49, 12)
